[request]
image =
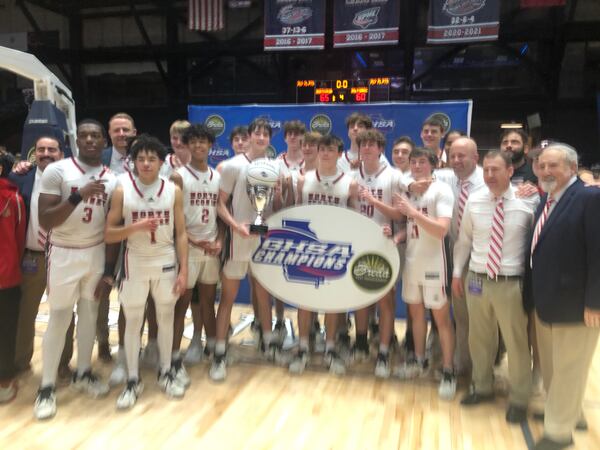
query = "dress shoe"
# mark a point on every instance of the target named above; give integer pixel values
(550, 444)
(581, 424)
(475, 398)
(516, 414)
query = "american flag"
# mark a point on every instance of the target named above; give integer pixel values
(206, 15)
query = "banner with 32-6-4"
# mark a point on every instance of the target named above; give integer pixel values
(463, 21)
(365, 22)
(294, 25)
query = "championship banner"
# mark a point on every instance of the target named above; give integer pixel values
(357, 23)
(325, 258)
(541, 3)
(392, 119)
(463, 21)
(294, 25)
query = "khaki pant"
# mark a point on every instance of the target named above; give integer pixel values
(32, 289)
(566, 352)
(462, 356)
(500, 303)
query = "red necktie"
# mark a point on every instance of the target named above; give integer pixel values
(540, 225)
(496, 236)
(462, 199)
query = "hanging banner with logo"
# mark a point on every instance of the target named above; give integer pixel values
(294, 25)
(541, 3)
(463, 21)
(392, 119)
(357, 23)
(308, 260)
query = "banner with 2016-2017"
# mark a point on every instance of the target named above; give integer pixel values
(365, 22)
(294, 25)
(463, 21)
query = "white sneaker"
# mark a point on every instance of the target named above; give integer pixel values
(130, 394)
(279, 333)
(382, 366)
(167, 382)
(218, 369)
(335, 363)
(410, 370)
(299, 362)
(118, 375)
(90, 384)
(45, 403)
(150, 355)
(194, 352)
(180, 374)
(447, 389)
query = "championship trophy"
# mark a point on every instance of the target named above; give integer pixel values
(261, 178)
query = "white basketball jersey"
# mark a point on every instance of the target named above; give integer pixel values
(425, 254)
(332, 190)
(85, 226)
(200, 198)
(146, 202)
(344, 161)
(168, 167)
(382, 185)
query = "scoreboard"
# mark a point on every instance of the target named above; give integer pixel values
(343, 90)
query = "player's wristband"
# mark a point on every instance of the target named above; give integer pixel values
(75, 198)
(109, 270)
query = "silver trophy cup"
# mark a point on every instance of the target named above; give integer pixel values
(260, 196)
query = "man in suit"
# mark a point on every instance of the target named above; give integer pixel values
(566, 289)
(48, 149)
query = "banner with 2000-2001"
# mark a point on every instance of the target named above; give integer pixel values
(325, 258)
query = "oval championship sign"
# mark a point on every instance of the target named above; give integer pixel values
(325, 258)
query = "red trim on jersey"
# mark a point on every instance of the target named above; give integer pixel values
(135, 186)
(192, 172)
(171, 161)
(77, 165)
(338, 178)
(211, 174)
(126, 263)
(346, 156)
(246, 156)
(363, 174)
(104, 170)
(318, 176)
(162, 186)
(48, 252)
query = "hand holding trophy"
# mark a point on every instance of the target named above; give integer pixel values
(261, 179)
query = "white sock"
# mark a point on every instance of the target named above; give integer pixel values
(53, 343)
(87, 313)
(134, 318)
(164, 317)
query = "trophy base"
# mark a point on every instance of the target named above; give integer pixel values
(259, 229)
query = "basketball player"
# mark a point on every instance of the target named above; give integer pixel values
(424, 277)
(200, 196)
(151, 211)
(73, 202)
(355, 123)
(377, 183)
(233, 185)
(327, 185)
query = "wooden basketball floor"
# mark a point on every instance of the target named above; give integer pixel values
(260, 406)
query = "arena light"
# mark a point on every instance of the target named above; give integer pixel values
(511, 126)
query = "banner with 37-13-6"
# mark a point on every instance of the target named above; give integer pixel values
(294, 25)
(463, 21)
(358, 23)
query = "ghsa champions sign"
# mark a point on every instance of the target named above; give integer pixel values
(325, 258)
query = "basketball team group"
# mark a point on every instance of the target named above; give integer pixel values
(499, 251)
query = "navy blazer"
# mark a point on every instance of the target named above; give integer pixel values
(565, 274)
(25, 184)
(107, 156)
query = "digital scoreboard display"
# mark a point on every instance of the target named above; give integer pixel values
(343, 90)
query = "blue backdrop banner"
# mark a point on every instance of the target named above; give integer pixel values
(392, 119)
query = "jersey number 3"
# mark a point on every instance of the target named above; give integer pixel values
(87, 214)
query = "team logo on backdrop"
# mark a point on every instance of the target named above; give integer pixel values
(371, 271)
(218, 154)
(382, 124)
(320, 123)
(303, 257)
(366, 17)
(293, 15)
(216, 124)
(442, 117)
(462, 7)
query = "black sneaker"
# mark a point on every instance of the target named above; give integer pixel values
(45, 403)
(382, 366)
(360, 352)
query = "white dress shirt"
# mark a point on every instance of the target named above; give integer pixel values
(117, 162)
(36, 237)
(475, 230)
